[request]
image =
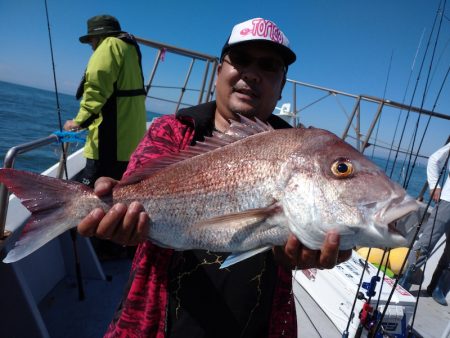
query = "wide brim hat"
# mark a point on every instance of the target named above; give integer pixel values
(263, 31)
(101, 25)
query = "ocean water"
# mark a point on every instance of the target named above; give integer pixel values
(27, 114)
(397, 172)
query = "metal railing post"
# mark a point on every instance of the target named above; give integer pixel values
(350, 120)
(372, 126)
(211, 80)
(294, 99)
(153, 72)
(186, 80)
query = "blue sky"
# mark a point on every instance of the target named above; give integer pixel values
(341, 44)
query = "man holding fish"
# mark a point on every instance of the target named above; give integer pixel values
(187, 288)
(213, 180)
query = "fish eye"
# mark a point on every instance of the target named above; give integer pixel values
(342, 168)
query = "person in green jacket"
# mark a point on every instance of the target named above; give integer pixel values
(112, 108)
(112, 105)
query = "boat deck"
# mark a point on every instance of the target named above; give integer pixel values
(430, 322)
(67, 316)
(431, 318)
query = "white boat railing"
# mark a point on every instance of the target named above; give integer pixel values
(362, 137)
(198, 81)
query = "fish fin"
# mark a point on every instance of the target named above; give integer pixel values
(242, 231)
(237, 131)
(49, 200)
(241, 219)
(234, 258)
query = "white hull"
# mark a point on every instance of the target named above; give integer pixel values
(31, 279)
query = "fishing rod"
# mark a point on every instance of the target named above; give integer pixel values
(409, 172)
(373, 316)
(416, 86)
(369, 315)
(413, 318)
(413, 138)
(441, 174)
(394, 286)
(384, 97)
(440, 178)
(404, 99)
(368, 312)
(425, 92)
(64, 146)
(408, 176)
(358, 295)
(427, 125)
(446, 45)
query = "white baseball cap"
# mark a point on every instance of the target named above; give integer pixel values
(259, 29)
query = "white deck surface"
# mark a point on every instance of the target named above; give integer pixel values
(430, 322)
(66, 316)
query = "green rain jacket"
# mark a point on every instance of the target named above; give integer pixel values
(113, 102)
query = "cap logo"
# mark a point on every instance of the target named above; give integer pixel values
(264, 29)
(259, 29)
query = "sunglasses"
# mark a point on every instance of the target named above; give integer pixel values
(265, 64)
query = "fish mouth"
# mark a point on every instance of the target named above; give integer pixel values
(392, 228)
(382, 232)
(396, 209)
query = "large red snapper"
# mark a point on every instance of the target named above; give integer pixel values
(236, 192)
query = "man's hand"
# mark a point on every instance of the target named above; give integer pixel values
(436, 194)
(71, 125)
(125, 226)
(295, 255)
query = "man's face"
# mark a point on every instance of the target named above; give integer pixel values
(249, 81)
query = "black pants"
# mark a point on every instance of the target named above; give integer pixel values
(95, 169)
(442, 266)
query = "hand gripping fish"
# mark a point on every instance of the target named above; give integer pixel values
(238, 191)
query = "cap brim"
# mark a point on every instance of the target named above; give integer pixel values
(87, 37)
(286, 53)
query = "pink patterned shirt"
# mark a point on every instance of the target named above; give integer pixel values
(143, 311)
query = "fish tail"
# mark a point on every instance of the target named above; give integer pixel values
(54, 205)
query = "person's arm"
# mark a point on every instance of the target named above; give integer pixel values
(436, 194)
(434, 167)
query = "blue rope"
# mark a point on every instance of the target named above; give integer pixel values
(71, 136)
